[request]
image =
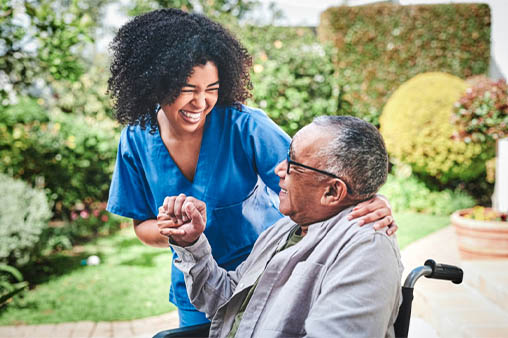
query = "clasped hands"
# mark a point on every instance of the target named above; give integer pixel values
(182, 219)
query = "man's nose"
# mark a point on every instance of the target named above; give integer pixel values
(280, 169)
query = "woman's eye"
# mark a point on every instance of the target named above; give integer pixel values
(212, 89)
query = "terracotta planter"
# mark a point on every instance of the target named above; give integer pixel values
(480, 239)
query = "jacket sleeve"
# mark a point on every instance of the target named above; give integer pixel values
(208, 285)
(360, 293)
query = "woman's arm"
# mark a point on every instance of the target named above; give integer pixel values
(127, 193)
(148, 232)
(376, 209)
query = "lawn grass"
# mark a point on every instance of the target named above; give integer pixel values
(132, 280)
(413, 226)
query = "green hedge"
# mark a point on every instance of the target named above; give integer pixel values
(71, 157)
(381, 46)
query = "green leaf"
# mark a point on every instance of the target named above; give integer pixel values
(12, 271)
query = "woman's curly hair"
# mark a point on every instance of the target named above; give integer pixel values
(154, 54)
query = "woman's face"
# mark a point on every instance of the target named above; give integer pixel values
(198, 96)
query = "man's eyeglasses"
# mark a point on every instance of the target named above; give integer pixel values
(291, 162)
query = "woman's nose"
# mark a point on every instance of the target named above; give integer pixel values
(199, 100)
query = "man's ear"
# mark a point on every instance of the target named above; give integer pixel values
(335, 193)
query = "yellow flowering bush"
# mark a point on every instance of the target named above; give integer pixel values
(416, 126)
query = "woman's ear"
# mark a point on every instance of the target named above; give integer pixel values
(335, 193)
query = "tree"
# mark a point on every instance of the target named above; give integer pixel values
(42, 41)
(211, 8)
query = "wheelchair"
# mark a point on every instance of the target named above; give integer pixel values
(429, 269)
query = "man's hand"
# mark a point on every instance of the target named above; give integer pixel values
(182, 218)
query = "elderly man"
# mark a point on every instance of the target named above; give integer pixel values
(313, 273)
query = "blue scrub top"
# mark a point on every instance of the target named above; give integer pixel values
(234, 177)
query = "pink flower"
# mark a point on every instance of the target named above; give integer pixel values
(96, 213)
(84, 214)
(104, 218)
(74, 215)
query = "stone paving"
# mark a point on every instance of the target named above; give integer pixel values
(141, 328)
(477, 308)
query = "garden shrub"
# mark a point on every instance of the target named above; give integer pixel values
(11, 283)
(481, 114)
(407, 193)
(380, 46)
(417, 130)
(71, 157)
(293, 75)
(23, 217)
(87, 221)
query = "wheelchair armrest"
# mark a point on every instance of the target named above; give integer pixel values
(195, 331)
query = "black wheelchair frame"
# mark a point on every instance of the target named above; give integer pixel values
(430, 269)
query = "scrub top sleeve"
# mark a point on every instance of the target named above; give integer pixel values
(268, 146)
(128, 190)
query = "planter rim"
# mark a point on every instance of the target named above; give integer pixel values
(457, 219)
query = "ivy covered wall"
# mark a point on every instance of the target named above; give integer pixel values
(381, 46)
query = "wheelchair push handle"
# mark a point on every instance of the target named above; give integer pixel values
(444, 271)
(434, 270)
(430, 269)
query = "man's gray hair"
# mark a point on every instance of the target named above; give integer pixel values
(356, 153)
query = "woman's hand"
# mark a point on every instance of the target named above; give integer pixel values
(182, 219)
(376, 209)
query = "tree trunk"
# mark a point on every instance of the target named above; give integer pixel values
(500, 199)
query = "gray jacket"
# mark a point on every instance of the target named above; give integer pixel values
(340, 280)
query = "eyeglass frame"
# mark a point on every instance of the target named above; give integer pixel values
(289, 161)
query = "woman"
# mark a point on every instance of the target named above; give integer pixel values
(178, 81)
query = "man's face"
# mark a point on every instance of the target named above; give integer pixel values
(301, 191)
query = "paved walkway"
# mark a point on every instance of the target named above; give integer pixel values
(477, 308)
(140, 328)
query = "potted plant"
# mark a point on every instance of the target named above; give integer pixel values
(481, 115)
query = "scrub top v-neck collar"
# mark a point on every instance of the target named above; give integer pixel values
(204, 166)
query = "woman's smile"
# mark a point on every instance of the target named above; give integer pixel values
(191, 117)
